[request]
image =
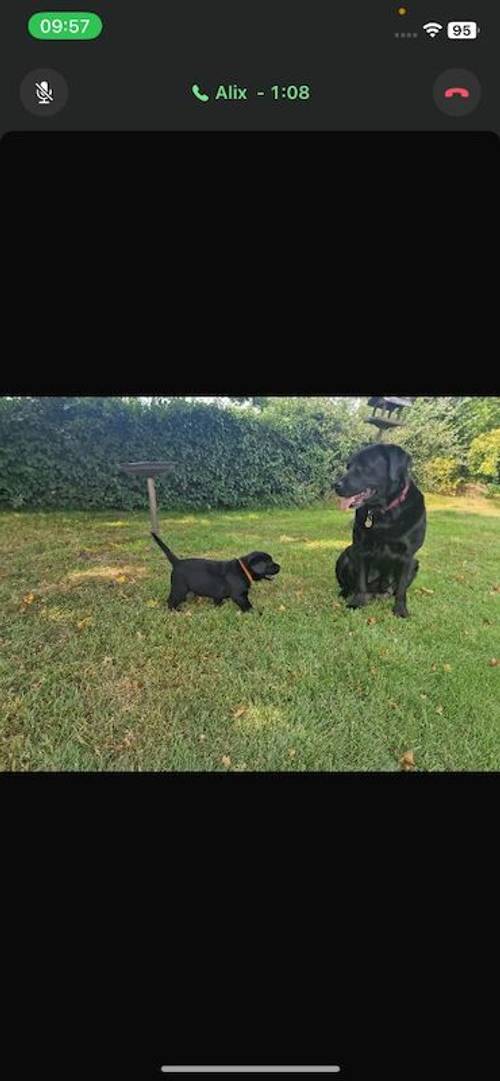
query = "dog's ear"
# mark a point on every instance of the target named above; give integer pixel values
(399, 465)
(258, 565)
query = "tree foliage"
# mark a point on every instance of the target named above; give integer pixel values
(484, 456)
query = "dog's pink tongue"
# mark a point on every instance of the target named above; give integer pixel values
(345, 503)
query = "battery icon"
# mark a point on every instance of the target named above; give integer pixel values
(463, 31)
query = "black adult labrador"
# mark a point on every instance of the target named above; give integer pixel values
(389, 526)
(217, 578)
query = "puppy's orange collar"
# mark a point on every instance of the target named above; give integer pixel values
(246, 571)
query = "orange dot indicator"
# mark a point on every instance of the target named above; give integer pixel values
(402, 11)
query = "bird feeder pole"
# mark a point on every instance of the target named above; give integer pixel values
(149, 470)
(153, 511)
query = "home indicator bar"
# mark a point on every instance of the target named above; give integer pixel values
(251, 1069)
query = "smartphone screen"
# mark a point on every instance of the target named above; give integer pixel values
(300, 188)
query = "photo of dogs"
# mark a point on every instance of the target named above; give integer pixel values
(389, 527)
(128, 525)
(217, 578)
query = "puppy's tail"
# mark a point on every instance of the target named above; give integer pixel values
(173, 559)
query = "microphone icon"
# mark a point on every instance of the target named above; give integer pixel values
(44, 93)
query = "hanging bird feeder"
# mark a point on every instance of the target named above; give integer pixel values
(387, 406)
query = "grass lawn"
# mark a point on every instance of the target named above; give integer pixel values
(96, 674)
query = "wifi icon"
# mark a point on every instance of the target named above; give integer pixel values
(433, 29)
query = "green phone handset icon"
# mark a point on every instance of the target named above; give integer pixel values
(199, 93)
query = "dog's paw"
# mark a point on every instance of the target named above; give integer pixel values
(401, 611)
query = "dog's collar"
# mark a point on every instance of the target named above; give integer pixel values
(246, 571)
(400, 499)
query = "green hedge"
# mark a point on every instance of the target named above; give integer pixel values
(64, 452)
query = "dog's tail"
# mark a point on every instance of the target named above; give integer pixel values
(173, 559)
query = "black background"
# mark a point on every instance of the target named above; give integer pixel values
(316, 919)
(309, 262)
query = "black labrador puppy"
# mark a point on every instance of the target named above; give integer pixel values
(389, 526)
(217, 578)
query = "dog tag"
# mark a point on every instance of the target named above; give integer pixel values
(368, 521)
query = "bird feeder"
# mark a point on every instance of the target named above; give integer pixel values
(387, 407)
(149, 470)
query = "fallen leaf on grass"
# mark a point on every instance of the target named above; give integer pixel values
(371, 619)
(30, 598)
(83, 623)
(202, 738)
(496, 589)
(423, 589)
(407, 761)
(120, 578)
(439, 709)
(494, 662)
(239, 711)
(393, 705)
(282, 608)
(226, 760)
(292, 752)
(446, 667)
(152, 604)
